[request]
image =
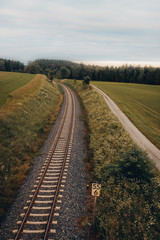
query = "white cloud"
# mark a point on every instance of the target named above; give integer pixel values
(73, 29)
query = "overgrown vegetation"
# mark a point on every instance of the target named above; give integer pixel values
(24, 123)
(141, 103)
(128, 207)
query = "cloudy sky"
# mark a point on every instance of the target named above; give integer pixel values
(82, 30)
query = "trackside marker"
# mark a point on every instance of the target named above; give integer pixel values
(96, 188)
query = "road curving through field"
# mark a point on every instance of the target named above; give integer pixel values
(152, 151)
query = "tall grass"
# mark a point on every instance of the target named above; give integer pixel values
(141, 103)
(11, 81)
(24, 123)
(128, 207)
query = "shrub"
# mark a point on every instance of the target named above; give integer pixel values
(86, 80)
(134, 164)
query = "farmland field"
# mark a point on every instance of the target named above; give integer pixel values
(10, 81)
(141, 103)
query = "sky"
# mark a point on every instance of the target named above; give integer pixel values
(83, 30)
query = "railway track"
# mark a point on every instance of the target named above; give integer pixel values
(40, 216)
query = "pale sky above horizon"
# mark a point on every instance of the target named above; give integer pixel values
(84, 30)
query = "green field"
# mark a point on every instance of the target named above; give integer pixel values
(141, 103)
(10, 81)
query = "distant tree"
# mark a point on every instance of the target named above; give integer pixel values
(77, 71)
(86, 80)
(33, 68)
(157, 76)
(51, 75)
(8, 66)
(11, 66)
(65, 72)
(2, 65)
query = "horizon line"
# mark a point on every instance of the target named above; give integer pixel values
(120, 63)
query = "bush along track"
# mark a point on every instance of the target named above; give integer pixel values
(128, 207)
(23, 128)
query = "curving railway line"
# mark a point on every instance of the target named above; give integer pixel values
(40, 216)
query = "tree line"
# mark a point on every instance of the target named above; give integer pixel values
(70, 70)
(11, 66)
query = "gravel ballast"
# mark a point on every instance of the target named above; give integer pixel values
(73, 206)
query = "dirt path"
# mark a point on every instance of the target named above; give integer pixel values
(152, 151)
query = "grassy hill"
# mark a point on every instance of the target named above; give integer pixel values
(11, 81)
(141, 103)
(24, 123)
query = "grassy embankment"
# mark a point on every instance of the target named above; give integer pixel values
(128, 207)
(24, 122)
(141, 103)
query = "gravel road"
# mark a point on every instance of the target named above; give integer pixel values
(152, 151)
(73, 205)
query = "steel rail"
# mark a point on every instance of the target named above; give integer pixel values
(62, 170)
(59, 130)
